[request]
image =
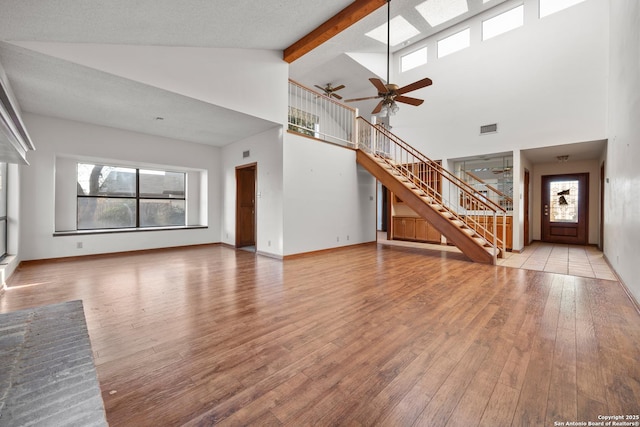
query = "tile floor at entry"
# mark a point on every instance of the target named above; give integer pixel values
(584, 261)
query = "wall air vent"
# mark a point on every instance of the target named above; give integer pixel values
(492, 128)
(246, 154)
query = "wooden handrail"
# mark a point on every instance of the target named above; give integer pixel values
(461, 184)
(468, 219)
(405, 162)
(345, 106)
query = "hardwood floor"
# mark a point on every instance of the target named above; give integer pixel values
(367, 335)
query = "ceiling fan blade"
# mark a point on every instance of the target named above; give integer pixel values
(339, 87)
(415, 86)
(378, 108)
(379, 85)
(361, 99)
(335, 95)
(319, 87)
(409, 100)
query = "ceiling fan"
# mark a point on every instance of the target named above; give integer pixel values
(329, 90)
(392, 93)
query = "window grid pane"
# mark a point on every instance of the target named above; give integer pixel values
(118, 197)
(413, 59)
(106, 212)
(454, 43)
(549, 7)
(103, 180)
(162, 213)
(563, 196)
(502, 23)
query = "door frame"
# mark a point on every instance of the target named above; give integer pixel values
(583, 214)
(254, 167)
(527, 184)
(602, 182)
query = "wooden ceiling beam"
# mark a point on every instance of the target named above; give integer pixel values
(335, 25)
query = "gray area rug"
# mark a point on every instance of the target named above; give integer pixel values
(47, 373)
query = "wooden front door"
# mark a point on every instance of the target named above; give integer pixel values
(246, 206)
(565, 204)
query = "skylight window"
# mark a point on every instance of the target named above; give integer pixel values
(454, 43)
(436, 12)
(413, 59)
(401, 31)
(502, 23)
(548, 7)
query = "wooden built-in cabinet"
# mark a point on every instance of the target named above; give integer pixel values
(487, 221)
(415, 229)
(419, 230)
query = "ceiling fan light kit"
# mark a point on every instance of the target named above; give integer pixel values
(392, 93)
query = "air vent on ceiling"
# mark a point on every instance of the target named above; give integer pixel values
(492, 128)
(246, 154)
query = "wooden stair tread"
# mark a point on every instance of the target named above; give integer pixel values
(405, 179)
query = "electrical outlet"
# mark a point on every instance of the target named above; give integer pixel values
(347, 237)
(338, 239)
(79, 245)
(269, 243)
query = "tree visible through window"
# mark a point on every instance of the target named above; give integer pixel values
(122, 197)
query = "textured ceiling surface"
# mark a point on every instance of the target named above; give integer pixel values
(50, 86)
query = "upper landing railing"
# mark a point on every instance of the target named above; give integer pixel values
(315, 114)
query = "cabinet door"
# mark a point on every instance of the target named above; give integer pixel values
(421, 229)
(433, 235)
(404, 228)
(398, 228)
(409, 228)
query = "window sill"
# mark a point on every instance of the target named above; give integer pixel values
(125, 230)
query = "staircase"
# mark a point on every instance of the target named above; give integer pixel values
(462, 214)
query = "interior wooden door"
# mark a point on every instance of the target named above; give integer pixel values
(246, 206)
(565, 204)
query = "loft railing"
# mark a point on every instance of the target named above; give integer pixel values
(489, 191)
(316, 115)
(442, 186)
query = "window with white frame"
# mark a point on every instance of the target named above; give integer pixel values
(454, 43)
(413, 59)
(548, 7)
(502, 23)
(111, 197)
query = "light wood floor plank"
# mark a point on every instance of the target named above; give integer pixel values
(362, 336)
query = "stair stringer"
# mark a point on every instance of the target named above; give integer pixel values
(454, 234)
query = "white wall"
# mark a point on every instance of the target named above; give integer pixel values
(266, 151)
(543, 84)
(591, 167)
(329, 201)
(68, 139)
(622, 201)
(251, 81)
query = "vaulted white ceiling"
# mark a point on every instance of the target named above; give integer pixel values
(52, 86)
